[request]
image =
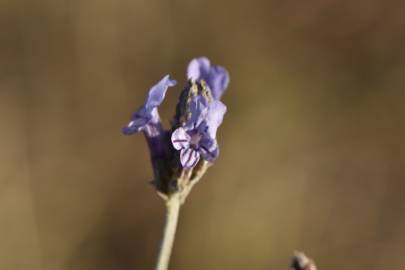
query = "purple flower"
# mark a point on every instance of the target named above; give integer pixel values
(216, 77)
(146, 118)
(199, 113)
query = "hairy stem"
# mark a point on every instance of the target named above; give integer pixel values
(172, 216)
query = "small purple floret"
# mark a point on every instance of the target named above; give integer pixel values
(147, 117)
(193, 145)
(197, 138)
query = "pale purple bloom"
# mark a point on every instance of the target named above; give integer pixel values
(194, 145)
(147, 119)
(197, 138)
(216, 77)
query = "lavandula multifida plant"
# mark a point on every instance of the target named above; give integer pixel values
(180, 156)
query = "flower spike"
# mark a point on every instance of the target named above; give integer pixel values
(183, 153)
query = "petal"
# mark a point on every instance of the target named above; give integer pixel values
(180, 139)
(216, 77)
(189, 157)
(216, 112)
(158, 91)
(144, 120)
(147, 117)
(209, 149)
(198, 68)
(138, 121)
(218, 81)
(134, 126)
(199, 111)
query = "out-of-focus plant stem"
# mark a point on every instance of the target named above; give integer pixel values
(169, 232)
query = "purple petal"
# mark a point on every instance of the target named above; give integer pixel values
(199, 110)
(208, 148)
(134, 126)
(144, 120)
(180, 139)
(147, 117)
(216, 77)
(189, 157)
(218, 81)
(216, 112)
(198, 68)
(158, 91)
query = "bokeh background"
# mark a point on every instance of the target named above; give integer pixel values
(312, 147)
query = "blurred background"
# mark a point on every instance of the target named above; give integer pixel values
(312, 147)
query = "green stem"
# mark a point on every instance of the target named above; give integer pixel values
(172, 216)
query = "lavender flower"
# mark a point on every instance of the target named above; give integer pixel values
(197, 138)
(180, 156)
(199, 113)
(147, 117)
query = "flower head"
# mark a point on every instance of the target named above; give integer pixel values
(199, 113)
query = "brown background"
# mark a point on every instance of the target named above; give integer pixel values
(312, 147)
